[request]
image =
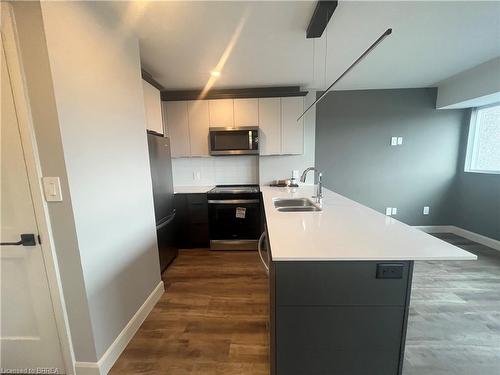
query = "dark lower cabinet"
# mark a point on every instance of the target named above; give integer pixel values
(192, 220)
(338, 318)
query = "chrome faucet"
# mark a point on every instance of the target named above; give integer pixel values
(319, 188)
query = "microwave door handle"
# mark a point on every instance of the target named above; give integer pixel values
(250, 140)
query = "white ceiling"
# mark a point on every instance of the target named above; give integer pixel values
(181, 42)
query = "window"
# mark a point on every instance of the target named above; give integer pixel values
(483, 147)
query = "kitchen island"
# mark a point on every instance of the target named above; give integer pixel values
(340, 283)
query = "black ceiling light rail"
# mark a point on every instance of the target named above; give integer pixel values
(382, 37)
(320, 18)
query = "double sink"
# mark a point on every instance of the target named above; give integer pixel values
(295, 205)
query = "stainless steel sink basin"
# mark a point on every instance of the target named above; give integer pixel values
(295, 205)
(299, 209)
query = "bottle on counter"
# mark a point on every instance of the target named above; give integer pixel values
(293, 181)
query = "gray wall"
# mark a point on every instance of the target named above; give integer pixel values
(477, 197)
(353, 131)
(90, 125)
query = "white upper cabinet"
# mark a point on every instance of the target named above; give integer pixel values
(270, 126)
(221, 113)
(198, 119)
(246, 112)
(178, 128)
(188, 123)
(292, 132)
(152, 105)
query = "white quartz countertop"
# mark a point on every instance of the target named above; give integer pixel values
(346, 230)
(192, 189)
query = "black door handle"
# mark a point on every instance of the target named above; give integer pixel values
(27, 239)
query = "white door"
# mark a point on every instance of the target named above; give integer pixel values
(28, 333)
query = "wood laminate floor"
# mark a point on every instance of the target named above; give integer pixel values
(212, 320)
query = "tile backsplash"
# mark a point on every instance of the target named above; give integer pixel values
(215, 170)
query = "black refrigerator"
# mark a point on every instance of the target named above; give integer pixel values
(163, 197)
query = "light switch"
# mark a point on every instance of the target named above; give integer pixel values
(426, 210)
(394, 211)
(388, 211)
(52, 189)
(400, 140)
(394, 141)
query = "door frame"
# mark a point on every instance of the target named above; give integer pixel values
(33, 167)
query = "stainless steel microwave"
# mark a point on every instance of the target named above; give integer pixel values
(234, 141)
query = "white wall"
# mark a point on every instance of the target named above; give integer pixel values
(473, 88)
(217, 170)
(97, 88)
(281, 166)
(35, 62)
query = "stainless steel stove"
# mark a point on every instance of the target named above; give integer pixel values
(234, 189)
(234, 217)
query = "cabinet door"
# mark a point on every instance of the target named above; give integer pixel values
(198, 127)
(292, 132)
(178, 128)
(152, 105)
(246, 112)
(221, 113)
(270, 126)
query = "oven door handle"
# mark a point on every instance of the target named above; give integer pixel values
(259, 249)
(232, 201)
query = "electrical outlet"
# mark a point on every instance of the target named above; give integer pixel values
(394, 211)
(426, 210)
(394, 141)
(388, 211)
(390, 271)
(196, 175)
(400, 140)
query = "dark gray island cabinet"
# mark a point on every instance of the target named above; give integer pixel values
(338, 317)
(340, 281)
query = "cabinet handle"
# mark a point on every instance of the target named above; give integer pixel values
(259, 248)
(233, 201)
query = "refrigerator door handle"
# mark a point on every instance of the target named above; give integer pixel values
(168, 221)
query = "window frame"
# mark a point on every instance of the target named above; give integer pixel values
(472, 142)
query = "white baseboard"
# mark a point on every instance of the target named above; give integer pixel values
(109, 358)
(479, 238)
(87, 368)
(483, 240)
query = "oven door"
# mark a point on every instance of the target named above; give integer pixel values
(234, 224)
(234, 141)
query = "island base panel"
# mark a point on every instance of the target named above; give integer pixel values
(338, 317)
